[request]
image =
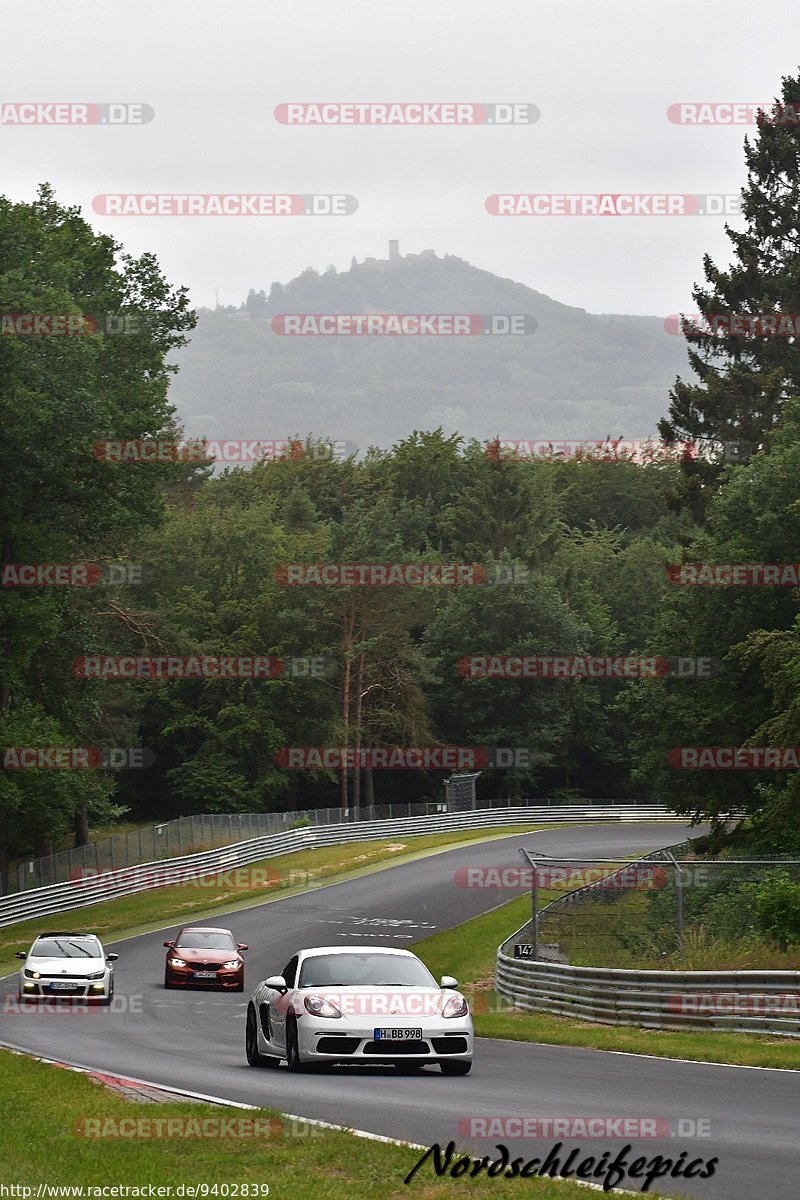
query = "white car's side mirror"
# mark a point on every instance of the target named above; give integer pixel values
(448, 981)
(277, 983)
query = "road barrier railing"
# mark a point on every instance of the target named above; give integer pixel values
(88, 888)
(208, 831)
(738, 1001)
(530, 977)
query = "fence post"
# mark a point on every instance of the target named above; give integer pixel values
(534, 910)
(678, 902)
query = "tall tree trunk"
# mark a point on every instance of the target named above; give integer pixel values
(359, 709)
(81, 827)
(369, 787)
(347, 646)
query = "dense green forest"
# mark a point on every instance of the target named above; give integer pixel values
(575, 560)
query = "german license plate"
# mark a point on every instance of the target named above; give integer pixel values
(205, 974)
(397, 1035)
(63, 987)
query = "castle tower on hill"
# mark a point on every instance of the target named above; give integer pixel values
(394, 250)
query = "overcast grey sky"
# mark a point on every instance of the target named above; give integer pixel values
(603, 76)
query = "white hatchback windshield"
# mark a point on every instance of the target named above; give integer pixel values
(66, 947)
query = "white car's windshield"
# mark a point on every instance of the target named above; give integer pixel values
(206, 941)
(66, 947)
(367, 970)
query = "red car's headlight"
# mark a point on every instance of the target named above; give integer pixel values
(319, 1007)
(232, 965)
(456, 1006)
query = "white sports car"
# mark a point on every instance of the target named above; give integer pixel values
(358, 1004)
(70, 966)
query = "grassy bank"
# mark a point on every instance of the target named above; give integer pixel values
(468, 952)
(57, 1128)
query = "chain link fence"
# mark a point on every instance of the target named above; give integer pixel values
(670, 909)
(208, 831)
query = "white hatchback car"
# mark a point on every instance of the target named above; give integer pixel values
(67, 966)
(359, 1004)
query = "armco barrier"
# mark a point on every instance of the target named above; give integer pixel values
(736, 1001)
(64, 897)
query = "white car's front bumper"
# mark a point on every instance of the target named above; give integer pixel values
(320, 1040)
(67, 989)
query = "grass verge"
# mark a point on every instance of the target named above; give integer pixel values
(468, 952)
(46, 1112)
(214, 895)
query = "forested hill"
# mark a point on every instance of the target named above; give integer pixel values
(577, 376)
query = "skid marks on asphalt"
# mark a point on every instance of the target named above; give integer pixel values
(383, 927)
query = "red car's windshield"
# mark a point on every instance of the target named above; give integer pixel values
(195, 939)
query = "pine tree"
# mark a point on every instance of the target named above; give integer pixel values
(747, 372)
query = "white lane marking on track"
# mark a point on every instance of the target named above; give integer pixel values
(695, 1062)
(362, 1133)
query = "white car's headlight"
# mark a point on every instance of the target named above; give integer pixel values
(177, 962)
(318, 1007)
(31, 974)
(96, 975)
(230, 966)
(456, 1006)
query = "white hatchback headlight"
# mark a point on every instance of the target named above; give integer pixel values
(96, 975)
(456, 1006)
(318, 1007)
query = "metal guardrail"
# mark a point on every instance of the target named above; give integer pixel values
(737, 1001)
(88, 888)
(208, 831)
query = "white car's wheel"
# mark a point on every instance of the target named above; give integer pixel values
(456, 1068)
(254, 1056)
(293, 1059)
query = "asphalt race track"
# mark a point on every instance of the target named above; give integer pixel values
(195, 1040)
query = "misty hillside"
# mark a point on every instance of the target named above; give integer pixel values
(577, 375)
